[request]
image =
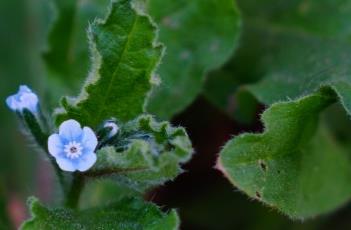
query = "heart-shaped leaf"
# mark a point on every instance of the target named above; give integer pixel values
(295, 165)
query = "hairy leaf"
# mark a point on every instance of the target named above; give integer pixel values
(287, 52)
(124, 54)
(200, 35)
(147, 154)
(295, 165)
(127, 214)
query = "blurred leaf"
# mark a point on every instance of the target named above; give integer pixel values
(66, 58)
(150, 157)
(19, 30)
(124, 56)
(294, 47)
(103, 192)
(226, 87)
(226, 92)
(130, 213)
(338, 122)
(199, 36)
(295, 165)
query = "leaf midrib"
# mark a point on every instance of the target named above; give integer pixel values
(115, 71)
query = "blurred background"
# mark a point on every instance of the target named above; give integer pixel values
(203, 197)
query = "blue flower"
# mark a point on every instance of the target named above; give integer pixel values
(24, 99)
(73, 147)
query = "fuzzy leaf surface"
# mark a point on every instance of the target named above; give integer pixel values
(200, 35)
(127, 214)
(295, 165)
(149, 157)
(124, 55)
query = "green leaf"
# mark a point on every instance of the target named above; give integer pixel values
(295, 166)
(128, 214)
(290, 49)
(226, 93)
(66, 57)
(124, 55)
(148, 154)
(226, 88)
(200, 36)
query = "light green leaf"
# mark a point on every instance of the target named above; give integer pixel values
(148, 154)
(127, 214)
(295, 166)
(66, 57)
(124, 55)
(200, 35)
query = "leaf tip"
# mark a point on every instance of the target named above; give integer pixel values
(219, 166)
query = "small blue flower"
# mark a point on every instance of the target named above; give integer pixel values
(24, 99)
(73, 147)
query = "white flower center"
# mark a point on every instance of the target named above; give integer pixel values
(73, 149)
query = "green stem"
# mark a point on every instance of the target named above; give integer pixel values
(59, 174)
(41, 138)
(73, 195)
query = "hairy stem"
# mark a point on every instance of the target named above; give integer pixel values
(41, 138)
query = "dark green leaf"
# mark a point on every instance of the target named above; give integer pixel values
(200, 35)
(294, 48)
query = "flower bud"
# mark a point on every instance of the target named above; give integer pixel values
(112, 127)
(24, 99)
(107, 131)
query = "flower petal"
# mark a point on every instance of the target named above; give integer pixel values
(70, 130)
(89, 139)
(65, 164)
(86, 162)
(24, 88)
(55, 145)
(12, 103)
(29, 101)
